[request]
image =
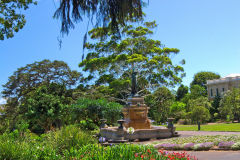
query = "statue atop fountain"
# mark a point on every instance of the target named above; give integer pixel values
(136, 112)
(136, 116)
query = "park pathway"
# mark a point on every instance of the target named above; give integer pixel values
(193, 133)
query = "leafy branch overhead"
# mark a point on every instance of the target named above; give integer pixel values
(11, 18)
(105, 11)
(111, 58)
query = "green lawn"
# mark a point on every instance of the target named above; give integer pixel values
(234, 127)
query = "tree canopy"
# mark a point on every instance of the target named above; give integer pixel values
(44, 106)
(181, 92)
(110, 60)
(27, 78)
(11, 17)
(201, 78)
(230, 105)
(159, 103)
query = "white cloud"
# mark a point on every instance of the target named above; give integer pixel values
(2, 101)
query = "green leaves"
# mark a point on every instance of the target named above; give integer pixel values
(44, 106)
(230, 104)
(27, 78)
(11, 18)
(116, 57)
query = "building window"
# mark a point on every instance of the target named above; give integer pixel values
(217, 92)
(211, 92)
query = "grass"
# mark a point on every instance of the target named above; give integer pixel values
(231, 127)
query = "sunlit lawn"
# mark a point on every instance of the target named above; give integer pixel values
(235, 127)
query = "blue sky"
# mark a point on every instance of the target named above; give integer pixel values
(206, 32)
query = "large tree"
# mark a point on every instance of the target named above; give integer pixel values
(201, 78)
(230, 105)
(159, 103)
(111, 60)
(198, 109)
(11, 17)
(27, 78)
(181, 92)
(25, 82)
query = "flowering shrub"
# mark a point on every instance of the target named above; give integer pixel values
(170, 146)
(203, 146)
(188, 146)
(203, 138)
(225, 145)
(236, 146)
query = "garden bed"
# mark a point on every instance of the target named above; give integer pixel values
(202, 143)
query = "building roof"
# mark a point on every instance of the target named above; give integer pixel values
(230, 77)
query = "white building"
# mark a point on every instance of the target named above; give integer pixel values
(220, 86)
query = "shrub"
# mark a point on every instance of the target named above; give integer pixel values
(236, 146)
(13, 146)
(68, 137)
(203, 146)
(188, 146)
(94, 110)
(170, 146)
(225, 145)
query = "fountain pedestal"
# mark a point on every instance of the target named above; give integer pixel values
(136, 114)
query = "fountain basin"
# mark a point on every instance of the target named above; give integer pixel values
(116, 134)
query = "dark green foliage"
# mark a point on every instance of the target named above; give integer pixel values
(41, 88)
(117, 12)
(44, 106)
(230, 105)
(215, 106)
(197, 91)
(201, 78)
(159, 103)
(27, 78)
(87, 111)
(181, 92)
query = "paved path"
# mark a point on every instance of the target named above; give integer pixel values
(215, 155)
(192, 133)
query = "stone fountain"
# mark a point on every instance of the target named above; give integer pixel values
(136, 116)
